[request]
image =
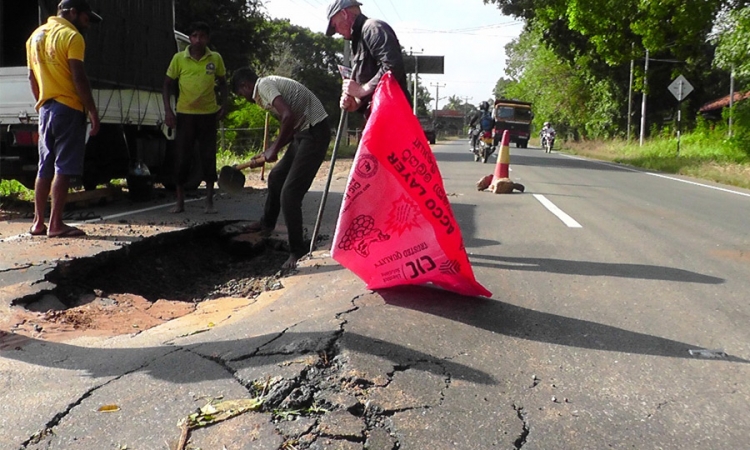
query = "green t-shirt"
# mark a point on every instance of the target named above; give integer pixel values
(196, 79)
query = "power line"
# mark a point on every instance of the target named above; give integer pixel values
(469, 29)
(394, 8)
(381, 11)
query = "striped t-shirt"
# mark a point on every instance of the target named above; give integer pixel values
(306, 107)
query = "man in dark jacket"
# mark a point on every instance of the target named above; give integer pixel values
(375, 51)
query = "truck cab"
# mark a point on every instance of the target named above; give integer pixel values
(515, 117)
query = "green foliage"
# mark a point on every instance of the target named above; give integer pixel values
(423, 96)
(733, 42)
(310, 58)
(14, 189)
(577, 103)
(501, 87)
(239, 30)
(599, 38)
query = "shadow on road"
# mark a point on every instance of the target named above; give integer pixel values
(233, 354)
(594, 269)
(509, 320)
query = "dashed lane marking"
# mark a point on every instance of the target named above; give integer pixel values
(566, 219)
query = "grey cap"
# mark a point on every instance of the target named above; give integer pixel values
(334, 8)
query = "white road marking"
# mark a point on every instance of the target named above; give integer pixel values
(567, 220)
(667, 177)
(113, 216)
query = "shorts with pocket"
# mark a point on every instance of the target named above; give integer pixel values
(62, 140)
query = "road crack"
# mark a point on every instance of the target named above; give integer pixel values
(521, 440)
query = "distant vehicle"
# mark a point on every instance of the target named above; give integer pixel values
(429, 129)
(126, 58)
(514, 116)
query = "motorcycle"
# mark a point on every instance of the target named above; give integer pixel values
(548, 141)
(486, 146)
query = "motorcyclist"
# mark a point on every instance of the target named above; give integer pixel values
(549, 132)
(482, 118)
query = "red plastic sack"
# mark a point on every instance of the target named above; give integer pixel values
(396, 225)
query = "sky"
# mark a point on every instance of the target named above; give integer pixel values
(469, 34)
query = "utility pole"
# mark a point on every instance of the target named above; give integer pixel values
(731, 99)
(643, 102)
(437, 87)
(630, 90)
(416, 75)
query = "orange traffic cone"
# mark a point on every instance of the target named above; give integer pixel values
(501, 182)
(503, 160)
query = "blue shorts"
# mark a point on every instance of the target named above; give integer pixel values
(62, 140)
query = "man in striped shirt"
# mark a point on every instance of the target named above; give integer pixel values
(305, 128)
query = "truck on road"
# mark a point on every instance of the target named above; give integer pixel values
(126, 58)
(514, 116)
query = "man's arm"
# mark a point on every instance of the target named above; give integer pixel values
(166, 95)
(83, 88)
(286, 132)
(384, 47)
(34, 85)
(224, 94)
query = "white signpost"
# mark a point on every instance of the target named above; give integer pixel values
(680, 88)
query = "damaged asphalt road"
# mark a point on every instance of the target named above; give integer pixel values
(329, 379)
(594, 338)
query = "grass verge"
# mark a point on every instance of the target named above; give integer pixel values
(722, 161)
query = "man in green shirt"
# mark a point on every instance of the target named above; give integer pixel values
(196, 70)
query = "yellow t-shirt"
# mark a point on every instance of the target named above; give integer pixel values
(47, 53)
(197, 79)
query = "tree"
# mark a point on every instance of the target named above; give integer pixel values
(423, 96)
(564, 94)
(239, 30)
(502, 86)
(310, 58)
(733, 42)
(454, 103)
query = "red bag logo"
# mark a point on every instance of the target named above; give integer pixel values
(396, 225)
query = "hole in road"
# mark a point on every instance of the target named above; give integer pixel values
(191, 265)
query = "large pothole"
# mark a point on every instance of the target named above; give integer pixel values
(149, 282)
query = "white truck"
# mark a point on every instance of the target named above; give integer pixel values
(126, 58)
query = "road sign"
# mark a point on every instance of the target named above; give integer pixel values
(424, 64)
(680, 88)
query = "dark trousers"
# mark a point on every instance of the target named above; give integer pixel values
(192, 129)
(291, 178)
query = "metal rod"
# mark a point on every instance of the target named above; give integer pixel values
(265, 147)
(336, 143)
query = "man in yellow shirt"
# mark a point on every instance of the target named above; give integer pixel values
(58, 80)
(196, 70)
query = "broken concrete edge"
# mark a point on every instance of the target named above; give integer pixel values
(36, 281)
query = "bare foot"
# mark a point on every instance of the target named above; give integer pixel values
(66, 231)
(290, 264)
(38, 230)
(257, 227)
(177, 209)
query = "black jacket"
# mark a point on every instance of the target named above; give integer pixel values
(375, 51)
